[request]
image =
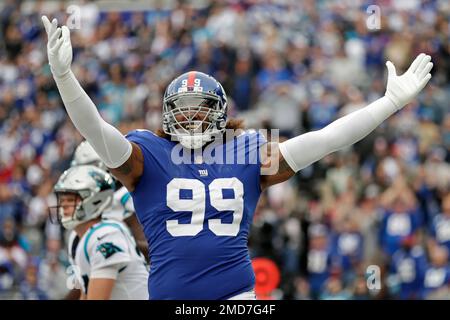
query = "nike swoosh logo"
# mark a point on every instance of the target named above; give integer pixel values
(100, 238)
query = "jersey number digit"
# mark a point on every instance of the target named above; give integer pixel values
(197, 205)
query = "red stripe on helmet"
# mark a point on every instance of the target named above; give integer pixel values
(191, 79)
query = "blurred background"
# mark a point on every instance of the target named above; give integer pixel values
(286, 64)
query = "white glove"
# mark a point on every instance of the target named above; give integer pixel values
(59, 50)
(402, 89)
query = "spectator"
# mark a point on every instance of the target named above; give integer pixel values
(408, 267)
(334, 290)
(52, 272)
(348, 248)
(400, 220)
(30, 288)
(360, 290)
(437, 275)
(302, 289)
(13, 257)
(440, 228)
(319, 259)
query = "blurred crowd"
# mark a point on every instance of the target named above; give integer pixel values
(291, 65)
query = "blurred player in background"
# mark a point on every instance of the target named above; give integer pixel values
(107, 261)
(204, 257)
(122, 208)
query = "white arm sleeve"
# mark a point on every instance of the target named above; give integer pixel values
(301, 151)
(112, 147)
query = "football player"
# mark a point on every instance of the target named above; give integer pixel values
(196, 215)
(122, 208)
(106, 262)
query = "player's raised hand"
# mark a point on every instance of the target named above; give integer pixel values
(59, 47)
(402, 89)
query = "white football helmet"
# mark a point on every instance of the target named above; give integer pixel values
(93, 185)
(85, 154)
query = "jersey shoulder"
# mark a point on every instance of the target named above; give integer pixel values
(253, 133)
(144, 137)
(249, 143)
(154, 148)
(122, 206)
(124, 197)
(250, 138)
(106, 238)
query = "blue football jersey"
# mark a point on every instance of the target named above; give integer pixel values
(196, 216)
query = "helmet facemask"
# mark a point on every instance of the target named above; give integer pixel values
(89, 206)
(193, 119)
(57, 214)
(88, 189)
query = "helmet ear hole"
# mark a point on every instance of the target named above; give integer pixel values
(80, 214)
(221, 124)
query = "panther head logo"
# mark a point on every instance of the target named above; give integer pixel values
(107, 249)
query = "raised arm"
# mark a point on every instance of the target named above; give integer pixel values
(301, 151)
(120, 155)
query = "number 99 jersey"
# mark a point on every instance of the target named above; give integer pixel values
(196, 216)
